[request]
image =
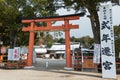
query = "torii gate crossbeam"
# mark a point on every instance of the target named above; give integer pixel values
(49, 27)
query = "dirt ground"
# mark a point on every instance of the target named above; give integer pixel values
(51, 72)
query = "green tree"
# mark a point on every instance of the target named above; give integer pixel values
(117, 32)
(12, 11)
(91, 6)
(86, 41)
(117, 47)
(61, 40)
(72, 39)
(117, 39)
(49, 40)
(10, 21)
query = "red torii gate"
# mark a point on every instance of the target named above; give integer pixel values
(65, 27)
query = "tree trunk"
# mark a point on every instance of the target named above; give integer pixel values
(11, 39)
(95, 26)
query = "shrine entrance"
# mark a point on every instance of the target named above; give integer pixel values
(32, 28)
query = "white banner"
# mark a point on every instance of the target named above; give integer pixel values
(24, 50)
(107, 41)
(10, 54)
(96, 58)
(16, 53)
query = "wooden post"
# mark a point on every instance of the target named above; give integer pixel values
(31, 45)
(67, 42)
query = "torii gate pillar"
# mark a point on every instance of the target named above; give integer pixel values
(30, 48)
(67, 43)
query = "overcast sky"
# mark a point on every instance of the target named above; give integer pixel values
(84, 22)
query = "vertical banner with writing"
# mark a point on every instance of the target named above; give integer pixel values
(107, 41)
(96, 58)
(16, 53)
(10, 54)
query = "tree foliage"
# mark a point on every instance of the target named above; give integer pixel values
(85, 41)
(117, 32)
(117, 39)
(12, 11)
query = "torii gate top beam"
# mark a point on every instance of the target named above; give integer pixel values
(49, 21)
(53, 18)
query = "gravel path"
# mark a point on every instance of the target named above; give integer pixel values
(54, 71)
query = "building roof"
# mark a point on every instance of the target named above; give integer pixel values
(78, 14)
(40, 50)
(61, 47)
